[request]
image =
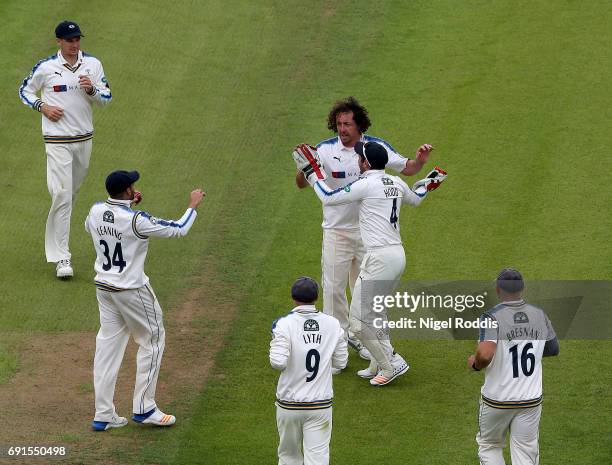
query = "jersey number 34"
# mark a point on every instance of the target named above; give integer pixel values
(117, 259)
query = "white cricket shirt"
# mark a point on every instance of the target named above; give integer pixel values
(121, 239)
(341, 165)
(514, 378)
(377, 197)
(305, 345)
(58, 85)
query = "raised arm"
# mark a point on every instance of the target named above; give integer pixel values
(145, 225)
(409, 196)
(421, 157)
(353, 192)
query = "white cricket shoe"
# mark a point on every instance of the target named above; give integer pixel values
(63, 269)
(397, 361)
(154, 417)
(365, 353)
(400, 367)
(116, 422)
(368, 373)
(360, 348)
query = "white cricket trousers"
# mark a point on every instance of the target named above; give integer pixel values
(135, 312)
(304, 436)
(66, 169)
(381, 271)
(523, 425)
(340, 262)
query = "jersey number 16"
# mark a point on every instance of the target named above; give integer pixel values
(527, 360)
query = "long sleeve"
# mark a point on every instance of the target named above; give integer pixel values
(280, 347)
(396, 161)
(102, 93)
(340, 355)
(31, 86)
(410, 197)
(145, 225)
(351, 193)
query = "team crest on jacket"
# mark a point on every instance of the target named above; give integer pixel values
(311, 325)
(387, 181)
(108, 217)
(520, 318)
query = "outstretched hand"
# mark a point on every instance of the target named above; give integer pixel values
(423, 152)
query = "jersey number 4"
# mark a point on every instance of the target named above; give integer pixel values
(117, 259)
(393, 219)
(312, 364)
(527, 360)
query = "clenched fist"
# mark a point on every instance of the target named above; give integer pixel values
(196, 197)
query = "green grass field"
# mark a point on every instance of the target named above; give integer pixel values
(515, 98)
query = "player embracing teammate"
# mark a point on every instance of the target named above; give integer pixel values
(343, 249)
(378, 197)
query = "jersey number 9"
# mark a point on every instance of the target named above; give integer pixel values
(312, 366)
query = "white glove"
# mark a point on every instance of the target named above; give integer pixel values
(307, 160)
(430, 183)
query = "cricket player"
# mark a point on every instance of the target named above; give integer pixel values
(378, 197)
(511, 345)
(127, 303)
(305, 346)
(343, 249)
(69, 83)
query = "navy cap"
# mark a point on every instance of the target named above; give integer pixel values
(305, 290)
(68, 30)
(510, 280)
(119, 181)
(374, 153)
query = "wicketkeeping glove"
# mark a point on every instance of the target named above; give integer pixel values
(431, 182)
(307, 160)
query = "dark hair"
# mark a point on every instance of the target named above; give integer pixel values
(305, 290)
(510, 280)
(349, 105)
